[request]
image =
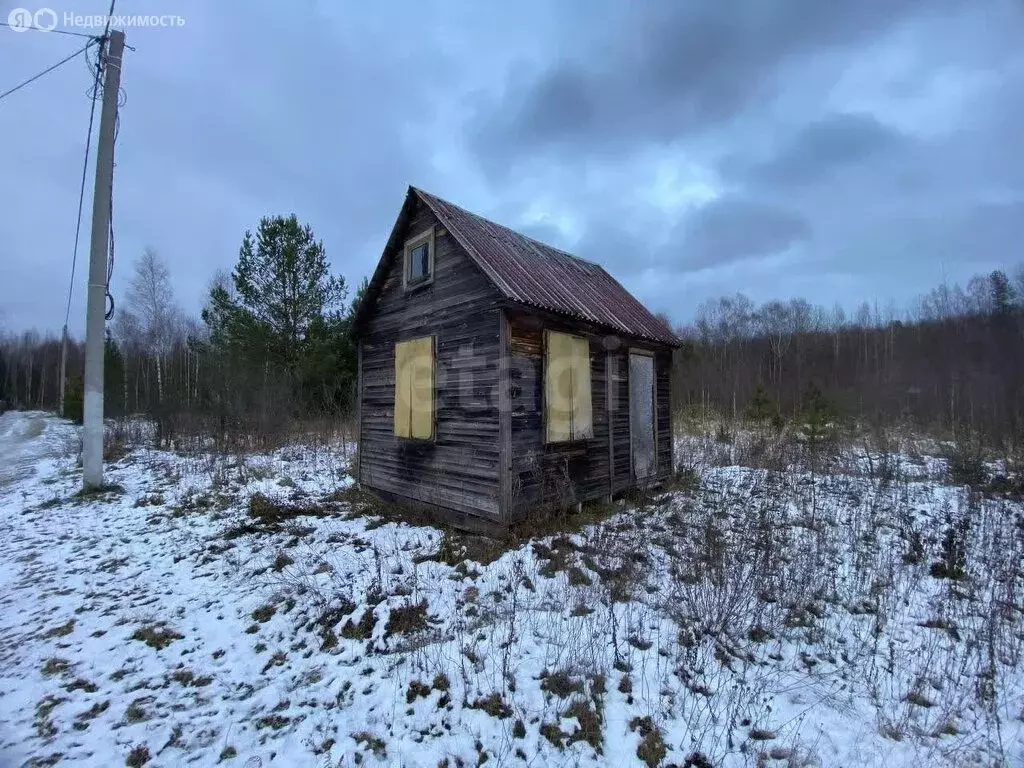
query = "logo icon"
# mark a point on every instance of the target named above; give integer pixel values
(45, 19)
(20, 19)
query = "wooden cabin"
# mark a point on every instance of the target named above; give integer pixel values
(501, 378)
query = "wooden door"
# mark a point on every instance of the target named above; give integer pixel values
(641, 414)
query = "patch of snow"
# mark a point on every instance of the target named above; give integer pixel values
(766, 616)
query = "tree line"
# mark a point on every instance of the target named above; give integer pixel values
(271, 348)
(952, 364)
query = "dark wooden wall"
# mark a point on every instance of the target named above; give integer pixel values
(663, 413)
(622, 461)
(545, 476)
(459, 468)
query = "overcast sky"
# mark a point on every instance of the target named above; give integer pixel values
(838, 150)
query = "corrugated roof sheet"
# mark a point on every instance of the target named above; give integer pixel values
(530, 272)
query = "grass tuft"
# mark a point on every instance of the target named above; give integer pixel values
(561, 684)
(494, 705)
(139, 756)
(156, 636)
(652, 749)
(407, 619)
(374, 743)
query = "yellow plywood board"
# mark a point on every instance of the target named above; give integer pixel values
(567, 392)
(558, 386)
(422, 389)
(582, 412)
(403, 372)
(414, 388)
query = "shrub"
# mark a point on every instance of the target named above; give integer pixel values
(760, 407)
(652, 749)
(407, 619)
(74, 399)
(139, 756)
(966, 466)
(493, 705)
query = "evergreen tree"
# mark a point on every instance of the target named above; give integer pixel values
(282, 315)
(113, 378)
(819, 428)
(759, 408)
(1001, 293)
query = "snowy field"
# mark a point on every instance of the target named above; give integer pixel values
(256, 611)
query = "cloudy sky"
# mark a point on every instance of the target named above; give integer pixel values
(840, 151)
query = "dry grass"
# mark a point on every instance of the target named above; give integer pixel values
(407, 619)
(156, 636)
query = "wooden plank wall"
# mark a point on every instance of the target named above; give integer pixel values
(622, 457)
(545, 476)
(663, 413)
(459, 468)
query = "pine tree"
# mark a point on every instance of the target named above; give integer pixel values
(1002, 294)
(283, 314)
(113, 377)
(759, 408)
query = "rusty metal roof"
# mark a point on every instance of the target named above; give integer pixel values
(530, 272)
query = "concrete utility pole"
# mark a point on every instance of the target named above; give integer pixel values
(95, 325)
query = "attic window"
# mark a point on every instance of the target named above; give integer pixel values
(419, 259)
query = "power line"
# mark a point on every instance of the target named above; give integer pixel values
(110, 15)
(110, 260)
(54, 31)
(109, 314)
(46, 71)
(81, 190)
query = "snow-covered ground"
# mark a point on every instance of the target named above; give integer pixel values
(257, 611)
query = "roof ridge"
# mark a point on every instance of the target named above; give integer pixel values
(516, 232)
(529, 271)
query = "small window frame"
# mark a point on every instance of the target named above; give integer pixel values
(427, 238)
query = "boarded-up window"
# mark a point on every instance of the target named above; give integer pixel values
(567, 401)
(414, 388)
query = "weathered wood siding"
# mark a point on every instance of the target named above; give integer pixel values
(663, 413)
(548, 475)
(544, 475)
(459, 468)
(622, 457)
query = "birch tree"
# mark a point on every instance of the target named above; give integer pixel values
(151, 300)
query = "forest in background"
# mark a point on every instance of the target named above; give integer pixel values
(271, 353)
(951, 366)
(270, 350)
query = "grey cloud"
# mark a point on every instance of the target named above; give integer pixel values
(673, 69)
(732, 229)
(243, 112)
(718, 234)
(603, 124)
(863, 188)
(826, 146)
